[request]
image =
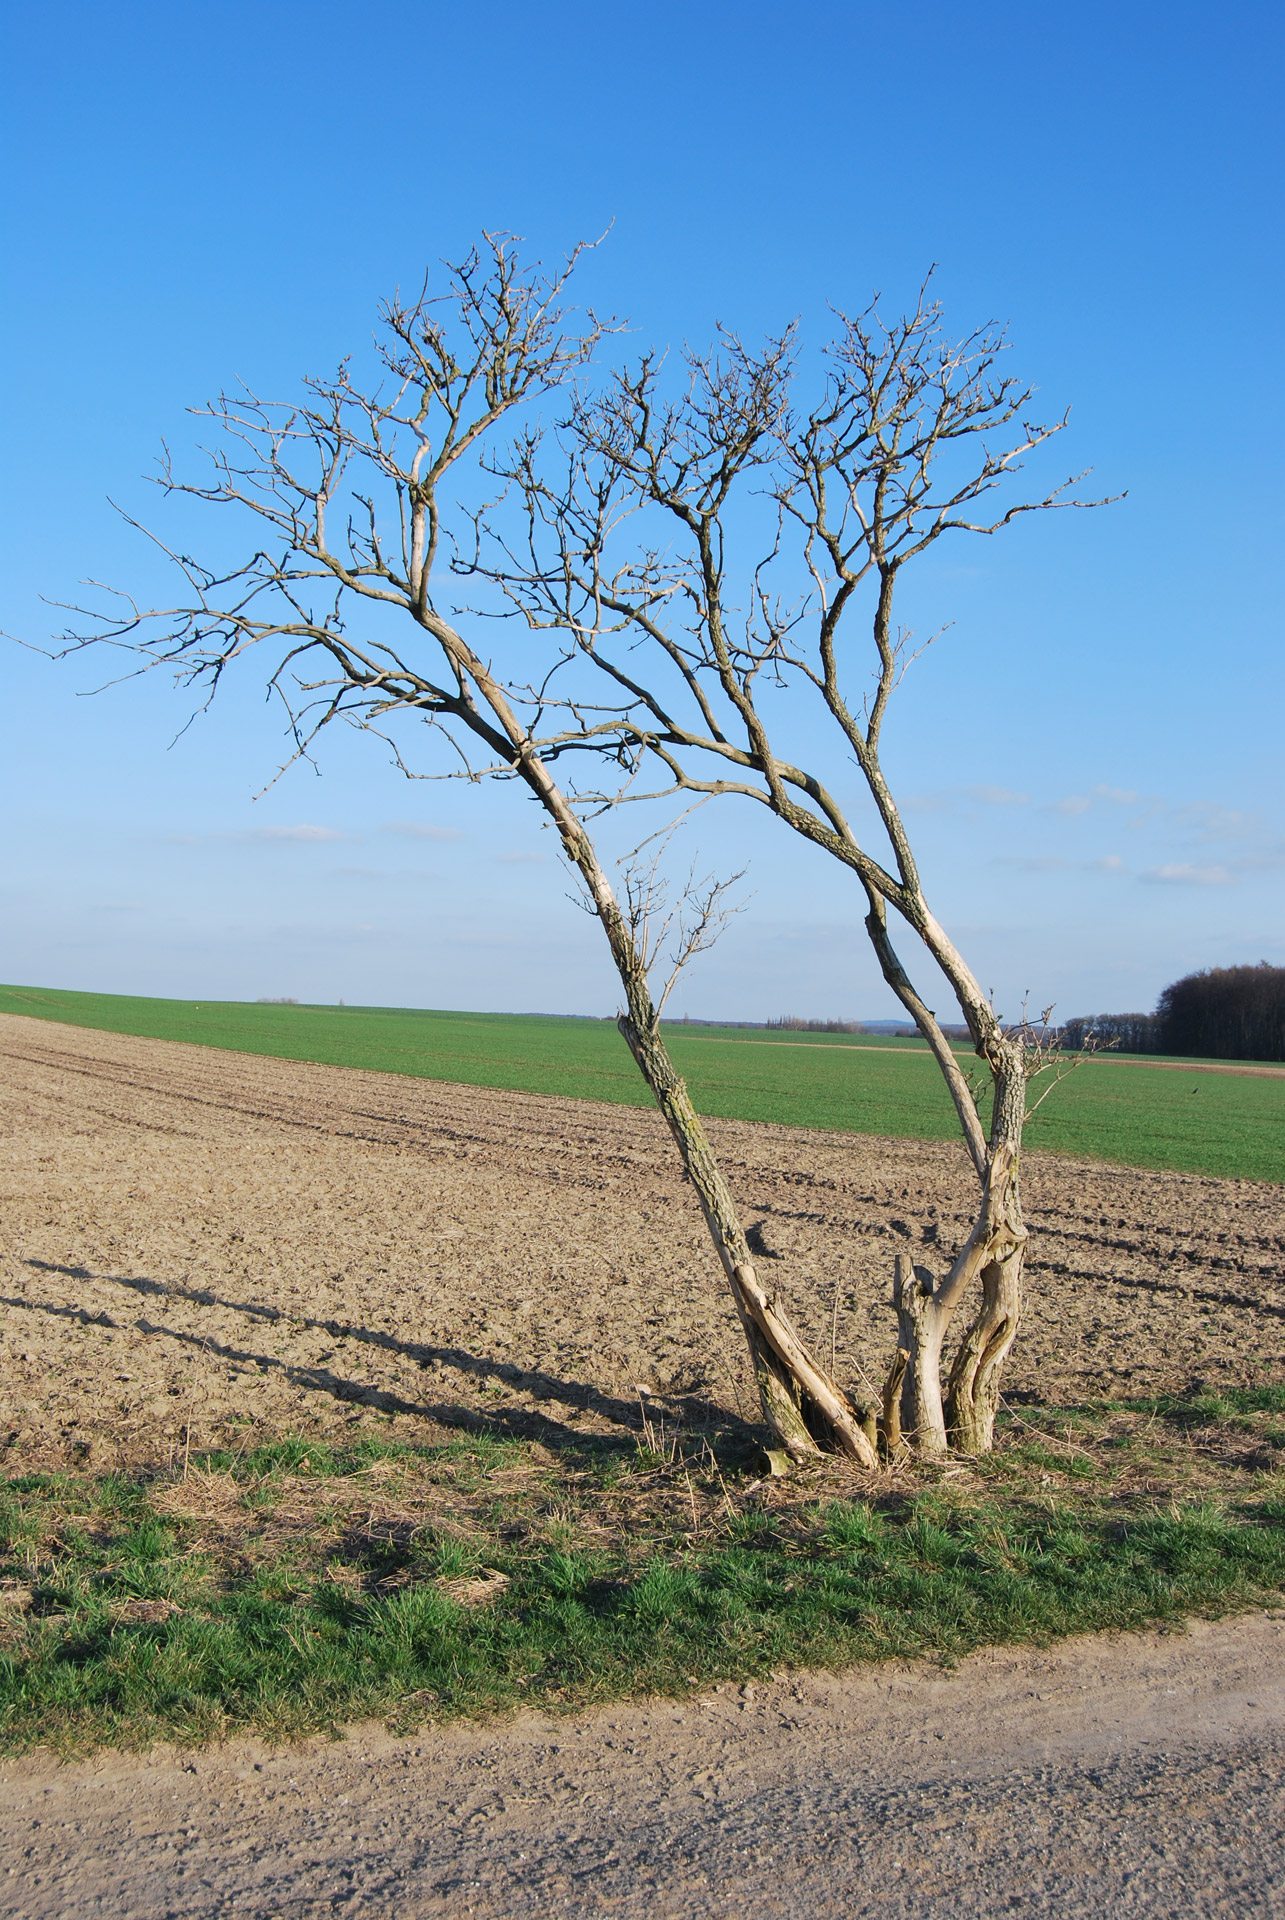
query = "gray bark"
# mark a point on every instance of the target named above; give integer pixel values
(964, 1417)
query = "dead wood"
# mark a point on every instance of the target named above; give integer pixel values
(344, 494)
(621, 552)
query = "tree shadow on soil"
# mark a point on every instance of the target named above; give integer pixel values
(631, 1418)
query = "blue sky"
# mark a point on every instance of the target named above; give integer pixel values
(1091, 755)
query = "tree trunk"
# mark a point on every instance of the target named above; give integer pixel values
(993, 1254)
(921, 1328)
(973, 1394)
(800, 1402)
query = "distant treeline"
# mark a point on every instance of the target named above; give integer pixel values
(791, 1023)
(1130, 1032)
(1223, 1013)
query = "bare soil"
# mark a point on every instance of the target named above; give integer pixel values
(203, 1249)
(1140, 1777)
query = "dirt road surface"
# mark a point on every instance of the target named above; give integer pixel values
(1120, 1776)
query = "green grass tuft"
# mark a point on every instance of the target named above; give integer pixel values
(299, 1587)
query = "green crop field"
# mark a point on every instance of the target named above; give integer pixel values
(1148, 1115)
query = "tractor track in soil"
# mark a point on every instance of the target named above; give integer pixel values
(194, 1242)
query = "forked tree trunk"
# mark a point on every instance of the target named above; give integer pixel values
(916, 1412)
(973, 1393)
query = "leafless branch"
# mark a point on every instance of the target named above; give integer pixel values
(672, 929)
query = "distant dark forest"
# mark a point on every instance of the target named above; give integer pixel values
(1223, 1013)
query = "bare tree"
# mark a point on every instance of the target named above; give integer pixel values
(677, 657)
(345, 496)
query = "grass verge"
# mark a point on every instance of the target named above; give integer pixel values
(294, 1588)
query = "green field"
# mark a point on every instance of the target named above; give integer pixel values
(1110, 1109)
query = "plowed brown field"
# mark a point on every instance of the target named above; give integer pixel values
(200, 1248)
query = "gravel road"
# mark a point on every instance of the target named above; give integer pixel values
(1111, 1775)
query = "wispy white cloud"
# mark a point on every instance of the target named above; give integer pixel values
(1055, 863)
(1191, 825)
(1208, 820)
(422, 830)
(1266, 859)
(385, 876)
(997, 796)
(302, 835)
(1199, 822)
(307, 835)
(1103, 794)
(951, 799)
(1035, 862)
(1181, 874)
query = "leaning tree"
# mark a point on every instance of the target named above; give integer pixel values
(347, 497)
(708, 557)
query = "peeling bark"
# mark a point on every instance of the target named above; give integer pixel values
(920, 1330)
(973, 1393)
(915, 1410)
